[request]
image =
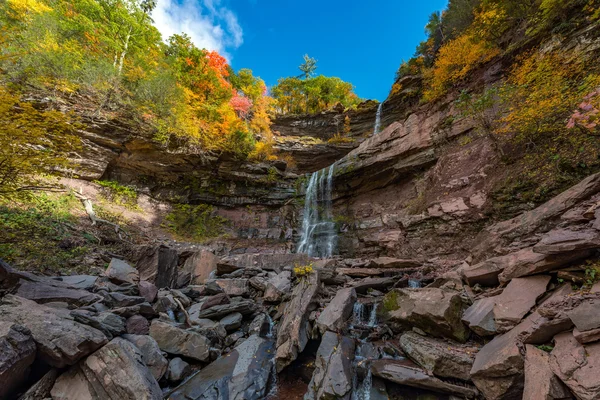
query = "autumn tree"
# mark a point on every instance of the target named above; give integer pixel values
(32, 143)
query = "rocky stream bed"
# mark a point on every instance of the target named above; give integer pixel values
(181, 325)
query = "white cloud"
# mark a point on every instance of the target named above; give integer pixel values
(210, 24)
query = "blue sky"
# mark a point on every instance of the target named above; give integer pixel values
(361, 42)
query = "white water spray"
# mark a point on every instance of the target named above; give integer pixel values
(377, 127)
(319, 233)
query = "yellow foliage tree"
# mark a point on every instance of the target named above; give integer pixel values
(32, 142)
(455, 60)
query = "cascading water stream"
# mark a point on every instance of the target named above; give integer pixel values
(319, 233)
(377, 127)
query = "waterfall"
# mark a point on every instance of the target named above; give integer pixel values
(319, 233)
(378, 119)
(364, 315)
(361, 390)
(414, 283)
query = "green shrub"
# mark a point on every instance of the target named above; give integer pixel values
(119, 194)
(195, 223)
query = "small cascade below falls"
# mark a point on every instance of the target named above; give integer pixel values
(319, 232)
(377, 127)
(364, 315)
(414, 283)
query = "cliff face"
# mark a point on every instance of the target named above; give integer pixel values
(426, 184)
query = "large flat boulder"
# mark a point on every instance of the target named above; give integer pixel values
(244, 307)
(85, 282)
(338, 311)
(390, 262)
(549, 262)
(158, 265)
(242, 374)
(560, 241)
(333, 375)
(439, 357)
(407, 374)
(174, 340)
(17, 352)
(540, 381)
(59, 339)
(116, 372)
(517, 299)
(46, 290)
(577, 365)
(436, 311)
(293, 331)
(524, 262)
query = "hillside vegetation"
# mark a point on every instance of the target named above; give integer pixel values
(543, 113)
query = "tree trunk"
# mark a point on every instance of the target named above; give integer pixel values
(124, 52)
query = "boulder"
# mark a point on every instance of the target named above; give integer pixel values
(177, 370)
(560, 241)
(8, 276)
(498, 368)
(338, 311)
(436, 311)
(60, 340)
(231, 322)
(480, 317)
(17, 352)
(577, 365)
(234, 287)
(333, 375)
(244, 307)
(83, 282)
(178, 341)
(278, 286)
(390, 262)
(148, 291)
(443, 359)
(517, 299)
(407, 374)
(115, 372)
(201, 265)
(117, 300)
(586, 316)
(363, 285)
(158, 265)
(45, 290)
(587, 336)
(106, 322)
(547, 263)
(524, 262)
(242, 374)
(293, 331)
(151, 354)
(120, 271)
(540, 381)
(137, 325)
